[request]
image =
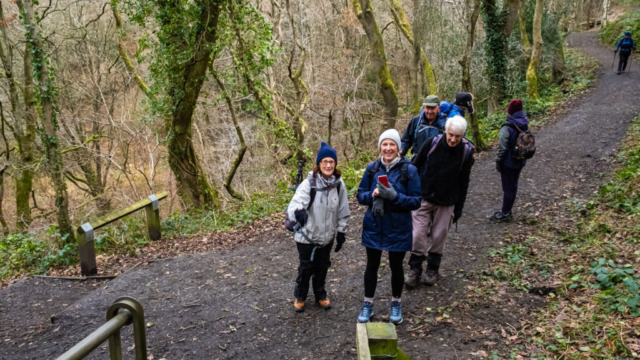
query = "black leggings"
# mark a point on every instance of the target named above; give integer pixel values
(371, 274)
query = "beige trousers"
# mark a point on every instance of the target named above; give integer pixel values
(431, 225)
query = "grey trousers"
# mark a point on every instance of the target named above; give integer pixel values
(431, 225)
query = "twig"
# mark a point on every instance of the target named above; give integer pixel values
(256, 308)
(233, 298)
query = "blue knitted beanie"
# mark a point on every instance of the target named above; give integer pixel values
(325, 152)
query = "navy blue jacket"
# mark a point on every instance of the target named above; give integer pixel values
(508, 137)
(419, 130)
(626, 44)
(394, 231)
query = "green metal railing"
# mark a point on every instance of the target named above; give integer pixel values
(124, 311)
(86, 231)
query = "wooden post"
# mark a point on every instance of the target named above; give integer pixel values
(378, 340)
(87, 250)
(153, 218)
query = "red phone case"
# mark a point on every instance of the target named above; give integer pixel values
(382, 179)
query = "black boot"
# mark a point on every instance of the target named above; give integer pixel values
(415, 270)
(433, 265)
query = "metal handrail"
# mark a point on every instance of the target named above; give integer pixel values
(124, 311)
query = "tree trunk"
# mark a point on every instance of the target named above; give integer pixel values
(605, 12)
(49, 122)
(364, 11)
(523, 31)
(532, 77)
(466, 67)
(24, 128)
(420, 61)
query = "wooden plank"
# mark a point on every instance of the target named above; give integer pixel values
(117, 215)
(383, 339)
(362, 342)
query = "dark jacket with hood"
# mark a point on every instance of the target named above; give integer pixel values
(393, 231)
(626, 44)
(419, 130)
(508, 136)
(446, 181)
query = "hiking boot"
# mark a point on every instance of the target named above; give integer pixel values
(500, 216)
(396, 312)
(325, 303)
(619, 73)
(413, 278)
(298, 305)
(431, 277)
(366, 313)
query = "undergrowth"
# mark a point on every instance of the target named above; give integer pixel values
(591, 265)
(614, 31)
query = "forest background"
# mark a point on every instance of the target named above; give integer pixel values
(216, 101)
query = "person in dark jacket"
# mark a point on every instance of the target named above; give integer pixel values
(387, 222)
(625, 45)
(428, 123)
(464, 102)
(448, 158)
(508, 166)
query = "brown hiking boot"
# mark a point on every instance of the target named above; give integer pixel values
(413, 278)
(431, 277)
(325, 303)
(298, 305)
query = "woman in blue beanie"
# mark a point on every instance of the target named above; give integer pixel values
(320, 208)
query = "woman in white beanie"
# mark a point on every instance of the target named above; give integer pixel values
(387, 224)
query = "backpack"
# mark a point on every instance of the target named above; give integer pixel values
(422, 127)
(468, 147)
(525, 146)
(404, 173)
(291, 224)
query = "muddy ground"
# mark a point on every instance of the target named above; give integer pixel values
(236, 304)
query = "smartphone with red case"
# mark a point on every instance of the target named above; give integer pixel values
(382, 179)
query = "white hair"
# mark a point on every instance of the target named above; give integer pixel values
(457, 123)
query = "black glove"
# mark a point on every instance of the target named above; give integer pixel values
(301, 216)
(378, 206)
(615, 51)
(499, 167)
(457, 213)
(340, 239)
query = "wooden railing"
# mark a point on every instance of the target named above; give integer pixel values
(86, 232)
(378, 341)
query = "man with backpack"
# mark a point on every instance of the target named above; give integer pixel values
(464, 102)
(515, 146)
(625, 45)
(448, 158)
(427, 124)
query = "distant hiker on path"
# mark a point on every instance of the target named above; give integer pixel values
(625, 45)
(428, 123)
(321, 208)
(506, 163)
(387, 223)
(464, 102)
(448, 159)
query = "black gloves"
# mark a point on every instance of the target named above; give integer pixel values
(457, 213)
(499, 167)
(378, 206)
(340, 239)
(301, 216)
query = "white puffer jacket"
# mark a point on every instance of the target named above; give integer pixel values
(328, 214)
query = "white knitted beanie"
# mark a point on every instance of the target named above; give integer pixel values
(390, 134)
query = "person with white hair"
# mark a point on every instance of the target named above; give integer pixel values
(445, 163)
(390, 188)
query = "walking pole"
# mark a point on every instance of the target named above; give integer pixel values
(614, 61)
(630, 57)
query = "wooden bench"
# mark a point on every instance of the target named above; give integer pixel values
(86, 231)
(378, 341)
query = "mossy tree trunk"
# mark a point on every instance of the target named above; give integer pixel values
(466, 67)
(24, 124)
(605, 12)
(46, 93)
(524, 35)
(364, 11)
(532, 77)
(420, 61)
(184, 89)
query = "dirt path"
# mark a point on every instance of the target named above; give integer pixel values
(237, 303)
